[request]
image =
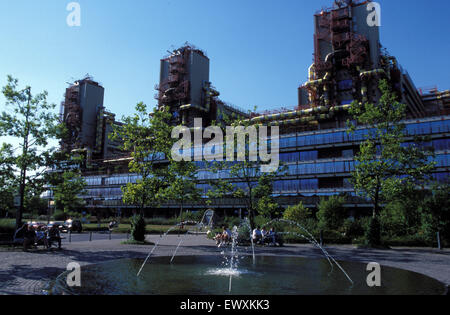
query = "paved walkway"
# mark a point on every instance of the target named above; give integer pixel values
(29, 273)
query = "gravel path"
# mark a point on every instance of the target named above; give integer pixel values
(29, 272)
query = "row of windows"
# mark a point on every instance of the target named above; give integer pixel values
(279, 186)
(441, 145)
(442, 177)
(295, 185)
(304, 156)
(416, 129)
(103, 192)
(122, 180)
(442, 161)
(114, 180)
(360, 135)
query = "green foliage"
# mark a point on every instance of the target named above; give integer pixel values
(393, 219)
(183, 187)
(60, 215)
(35, 205)
(246, 169)
(298, 213)
(193, 216)
(29, 120)
(383, 165)
(435, 211)
(331, 214)
(67, 192)
(158, 221)
(7, 226)
(232, 222)
(148, 137)
(266, 204)
(355, 228)
(373, 233)
(138, 228)
(7, 179)
(261, 220)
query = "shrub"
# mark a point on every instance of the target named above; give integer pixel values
(190, 216)
(261, 220)
(393, 220)
(408, 240)
(7, 226)
(42, 218)
(162, 221)
(59, 215)
(27, 216)
(244, 234)
(331, 214)
(298, 213)
(231, 222)
(373, 233)
(354, 228)
(138, 228)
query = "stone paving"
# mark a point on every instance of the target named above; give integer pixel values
(29, 273)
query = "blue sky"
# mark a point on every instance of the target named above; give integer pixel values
(259, 50)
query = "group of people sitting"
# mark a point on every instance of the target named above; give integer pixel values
(262, 236)
(41, 235)
(223, 238)
(259, 236)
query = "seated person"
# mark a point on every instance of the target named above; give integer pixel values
(272, 236)
(218, 238)
(112, 225)
(226, 234)
(224, 237)
(54, 236)
(264, 234)
(29, 237)
(257, 235)
(20, 234)
(41, 237)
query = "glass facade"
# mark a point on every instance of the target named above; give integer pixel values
(306, 173)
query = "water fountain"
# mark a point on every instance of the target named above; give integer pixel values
(310, 238)
(245, 274)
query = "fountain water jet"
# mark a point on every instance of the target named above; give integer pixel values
(313, 241)
(159, 241)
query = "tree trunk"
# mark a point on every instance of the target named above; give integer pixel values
(23, 171)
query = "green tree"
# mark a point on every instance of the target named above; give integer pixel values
(266, 204)
(7, 179)
(331, 214)
(298, 213)
(138, 228)
(245, 169)
(147, 136)
(30, 120)
(67, 192)
(383, 165)
(183, 187)
(435, 211)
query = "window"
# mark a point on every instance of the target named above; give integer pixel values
(290, 142)
(345, 84)
(441, 144)
(347, 153)
(289, 157)
(309, 155)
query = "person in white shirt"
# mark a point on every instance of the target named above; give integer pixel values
(264, 234)
(257, 235)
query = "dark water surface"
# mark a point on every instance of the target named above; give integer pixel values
(210, 275)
